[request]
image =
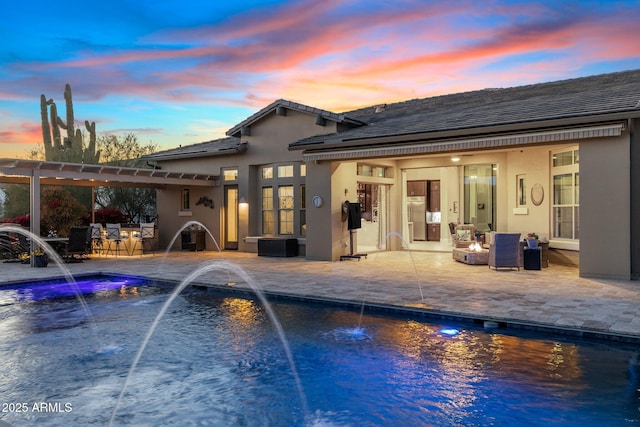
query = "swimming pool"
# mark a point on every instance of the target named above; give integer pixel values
(217, 360)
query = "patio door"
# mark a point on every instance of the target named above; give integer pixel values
(231, 217)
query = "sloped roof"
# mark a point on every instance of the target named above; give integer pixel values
(601, 95)
(283, 103)
(222, 146)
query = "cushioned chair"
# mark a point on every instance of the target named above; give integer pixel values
(504, 250)
(464, 235)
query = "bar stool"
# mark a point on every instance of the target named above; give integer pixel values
(113, 237)
(97, 239)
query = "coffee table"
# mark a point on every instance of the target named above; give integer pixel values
(466, 256)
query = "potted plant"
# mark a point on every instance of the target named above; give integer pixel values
(532, 240)
(39, 258)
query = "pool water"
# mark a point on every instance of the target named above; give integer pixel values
(217, 360)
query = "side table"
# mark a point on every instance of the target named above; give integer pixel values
(532, 258)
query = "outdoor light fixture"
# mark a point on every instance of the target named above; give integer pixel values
(243, 201)
(455, 159)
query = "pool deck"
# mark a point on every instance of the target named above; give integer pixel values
(555, 297)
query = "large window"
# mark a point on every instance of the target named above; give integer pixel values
(283, 199)
(566, 195)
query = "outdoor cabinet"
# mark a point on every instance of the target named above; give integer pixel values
(274, 246)
(193, 240)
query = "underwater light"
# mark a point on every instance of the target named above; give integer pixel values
(449, 331)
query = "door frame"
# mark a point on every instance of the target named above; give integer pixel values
(230, 217)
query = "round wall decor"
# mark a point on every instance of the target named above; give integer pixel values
(317, 201)
(537, 194)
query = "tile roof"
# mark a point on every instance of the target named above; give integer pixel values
(228, 145)
(579, 97)
(339, 118)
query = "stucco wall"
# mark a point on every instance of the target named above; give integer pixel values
(171, 220)
(320, 219)
(267, 144)
(605, 246)
(533, 164)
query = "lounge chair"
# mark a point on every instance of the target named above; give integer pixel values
(504, 250)
(12, 245)
(79, 245)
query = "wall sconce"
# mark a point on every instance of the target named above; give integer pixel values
(243, 201)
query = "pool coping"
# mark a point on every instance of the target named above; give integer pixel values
(490, 323)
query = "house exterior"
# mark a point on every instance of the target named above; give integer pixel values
(558, 159)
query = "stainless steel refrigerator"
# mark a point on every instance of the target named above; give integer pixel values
(417, 210)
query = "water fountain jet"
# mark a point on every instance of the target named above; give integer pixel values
(213, 266)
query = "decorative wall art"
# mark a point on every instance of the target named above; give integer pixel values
(537, 194)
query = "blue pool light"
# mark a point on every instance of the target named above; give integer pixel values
(449, 331)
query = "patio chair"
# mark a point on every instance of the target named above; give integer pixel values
(113, 238)
(146, 236)
(12, 245)
(464, 235)
(97, 239)
(504, 250)
(78, 246)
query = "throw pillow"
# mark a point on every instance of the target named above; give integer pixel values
(464, 235)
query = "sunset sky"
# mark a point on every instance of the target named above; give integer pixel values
(177, 73)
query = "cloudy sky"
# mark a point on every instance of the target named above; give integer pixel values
(177, 73)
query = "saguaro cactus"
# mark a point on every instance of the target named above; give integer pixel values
(71, 149)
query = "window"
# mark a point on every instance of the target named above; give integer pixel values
(521, 182)
(283, 199)
(285, 209)
(369, 170)
(566, 195)
(303, 212)
(186, 205)
(267, 210)
(285, 171)
(230, 174)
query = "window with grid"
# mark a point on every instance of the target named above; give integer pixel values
(283, 199)
(267, 211)
(566, 195)
(303, 211)
(285, 209)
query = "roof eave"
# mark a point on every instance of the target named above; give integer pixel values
(335, 141)
(240, 148)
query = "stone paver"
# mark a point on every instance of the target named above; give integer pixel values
(432, 281)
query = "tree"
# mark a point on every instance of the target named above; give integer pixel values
(59, 211)
(71, 148)
(138, 204)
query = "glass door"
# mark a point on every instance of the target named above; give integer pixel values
(480, 196)
(231, 217)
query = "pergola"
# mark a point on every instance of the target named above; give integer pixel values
(37, 173)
